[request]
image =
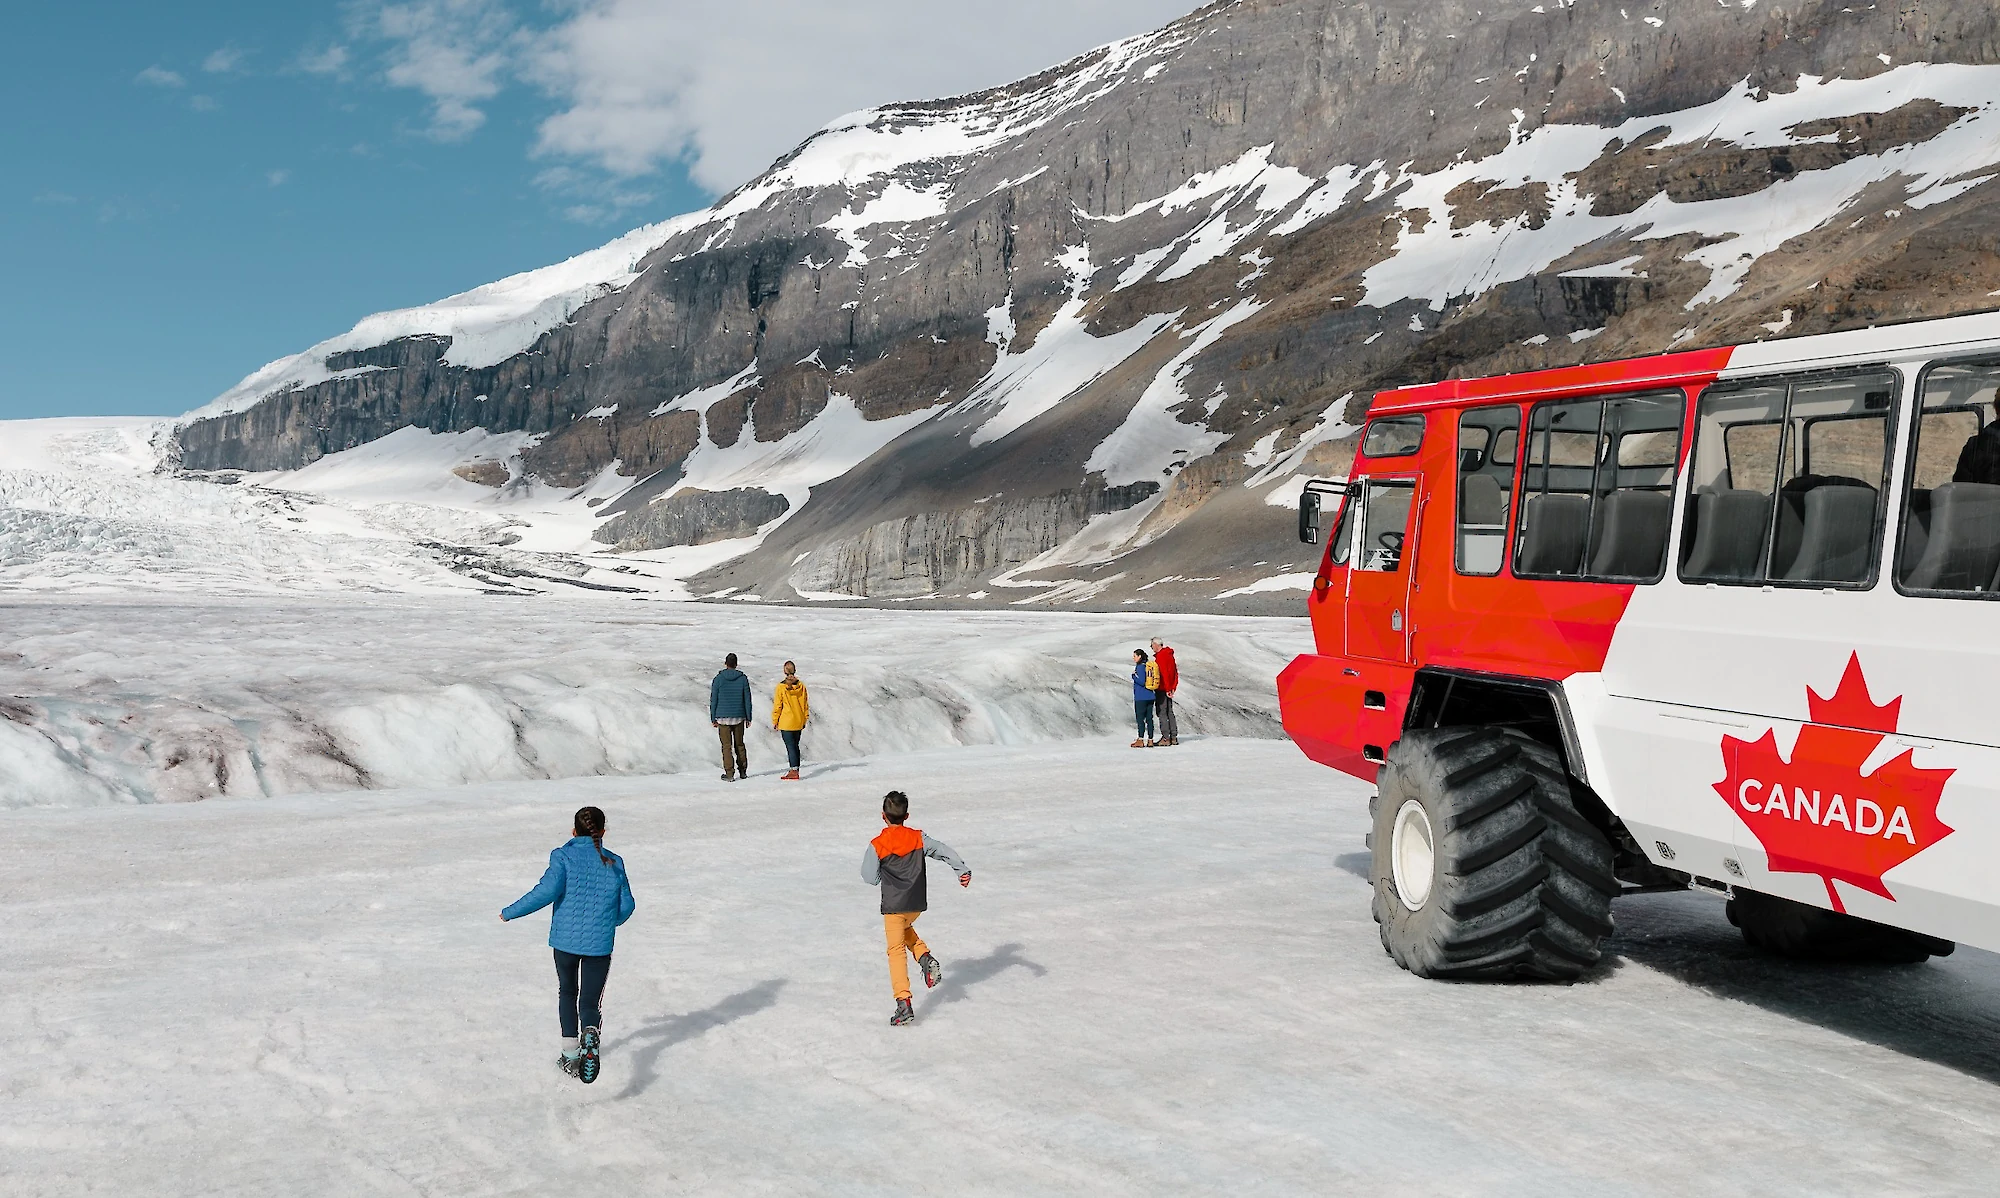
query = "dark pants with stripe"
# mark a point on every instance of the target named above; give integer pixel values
(580, 990)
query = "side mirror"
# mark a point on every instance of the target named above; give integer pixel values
(1309, 517)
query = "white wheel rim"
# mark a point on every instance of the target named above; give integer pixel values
(1412, 855)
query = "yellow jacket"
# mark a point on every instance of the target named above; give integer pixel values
(788, 706)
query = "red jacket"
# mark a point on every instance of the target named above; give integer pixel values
(1170, 674)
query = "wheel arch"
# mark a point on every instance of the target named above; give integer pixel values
(1536, 707)
(1441, 698)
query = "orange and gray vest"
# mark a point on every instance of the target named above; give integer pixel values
(895, 859)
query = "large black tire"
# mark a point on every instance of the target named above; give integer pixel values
(1520, 884)
(1788, 929)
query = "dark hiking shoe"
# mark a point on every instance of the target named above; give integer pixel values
(903, 1013)
(729, 777)
(586, 1056)
(567, 1064)
(933, 972)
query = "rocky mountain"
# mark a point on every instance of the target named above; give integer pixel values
(1075, 339)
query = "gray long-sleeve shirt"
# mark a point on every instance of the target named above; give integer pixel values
(895, 861)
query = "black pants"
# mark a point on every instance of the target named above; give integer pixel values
(732, 745)
(791, 740)
(570, 1003)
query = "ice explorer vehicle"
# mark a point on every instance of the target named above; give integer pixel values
(1727, 619)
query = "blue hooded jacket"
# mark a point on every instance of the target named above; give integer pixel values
(1141, 693)
(591, 899)
(729, 696)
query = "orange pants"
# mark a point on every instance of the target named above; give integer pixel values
(902, 939)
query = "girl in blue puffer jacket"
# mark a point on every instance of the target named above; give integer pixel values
(587, 884)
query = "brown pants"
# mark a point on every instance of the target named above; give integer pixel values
(902, 939)
(732, 738)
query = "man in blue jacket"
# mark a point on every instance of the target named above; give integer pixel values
(729, 711)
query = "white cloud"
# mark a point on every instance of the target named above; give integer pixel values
(724, 88)
(456, 52)
(159, 76)
(277, 178)
(730, 87)
(223, 60)
(329, 61)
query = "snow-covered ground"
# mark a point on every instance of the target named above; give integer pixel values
(136, 699)
(1163, 980)
(88, 507)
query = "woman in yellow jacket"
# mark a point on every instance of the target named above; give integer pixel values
(789, 715)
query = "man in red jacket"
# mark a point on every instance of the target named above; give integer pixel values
(1163, 703)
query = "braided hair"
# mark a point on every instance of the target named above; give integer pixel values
(590, 822)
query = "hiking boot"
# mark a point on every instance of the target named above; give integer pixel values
(729, 777)
(1138, 744)
(933, 972)
(790, 776)
(903, 1013)
(567, 1064)
(586, 1058)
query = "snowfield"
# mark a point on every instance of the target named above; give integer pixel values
(1163, 980)
(133, 699)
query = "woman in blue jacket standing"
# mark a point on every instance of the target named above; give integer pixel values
(592, 897)
(1145, 689)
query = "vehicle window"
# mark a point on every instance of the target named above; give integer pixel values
(1588, 512)
(1340, 543)
(1385, 523)
(1753, 444)
(1473, 439)
(1392, 437)
(1786, 481)
(1951, 516)
(1658, 448)
(1504, 446)
(1485, 486)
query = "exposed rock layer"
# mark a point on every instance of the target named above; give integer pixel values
(915, 315)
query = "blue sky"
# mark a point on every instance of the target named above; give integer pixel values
(193, 189)
(163, 239)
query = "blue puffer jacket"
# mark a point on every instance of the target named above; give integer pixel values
(729, 696)
(1141, 693)
(591, 899)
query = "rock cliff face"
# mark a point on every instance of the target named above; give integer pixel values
(936, 337)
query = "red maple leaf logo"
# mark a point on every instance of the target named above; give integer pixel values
(1818, 813)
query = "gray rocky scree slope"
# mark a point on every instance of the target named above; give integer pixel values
(1189, 257)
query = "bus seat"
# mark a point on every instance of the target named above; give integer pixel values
(1631, 533)
(1728, 535)
(1963, 553)
(1555, 528)
(1792, 517)
(1916, 532)
(1481, 500)
(1836, 532)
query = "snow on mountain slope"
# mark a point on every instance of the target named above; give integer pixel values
(1438, 260)
(955, 337)
(138, 700)
(487, 325)
(89, 505)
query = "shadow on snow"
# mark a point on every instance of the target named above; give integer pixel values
(648, 1042)
(958, 975)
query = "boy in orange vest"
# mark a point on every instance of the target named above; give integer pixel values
(894, 860)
